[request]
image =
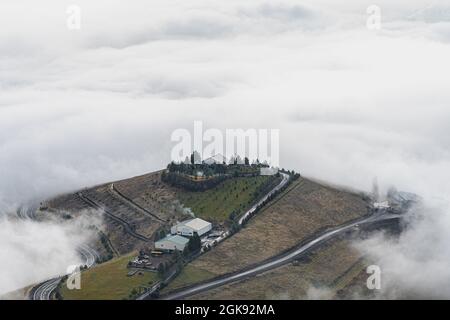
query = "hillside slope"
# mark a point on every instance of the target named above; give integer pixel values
(320, 275)
(302, 210)
(146, 190)
(144, 204)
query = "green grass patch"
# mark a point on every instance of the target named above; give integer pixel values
(234, 194)
(109, 281)
(189, 275)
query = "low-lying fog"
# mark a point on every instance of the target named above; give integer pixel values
(79, 107)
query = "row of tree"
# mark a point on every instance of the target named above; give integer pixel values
(293, 176)
(193, 169)
(180, 180)
(193, 247)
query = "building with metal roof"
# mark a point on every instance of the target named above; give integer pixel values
(172, 243)
(191, 226)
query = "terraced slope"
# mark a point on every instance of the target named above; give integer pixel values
(127, 227)
(134, 209)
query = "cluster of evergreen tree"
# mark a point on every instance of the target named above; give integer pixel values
(193, 169)
(193, 165)
(179, 180)
(163, 268)
(109, 254)
(194, 245)
(265, 188)
(160, 234)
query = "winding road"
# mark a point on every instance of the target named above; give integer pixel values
(283, 182)
(44, 290)
(282, 259)
(27, 212)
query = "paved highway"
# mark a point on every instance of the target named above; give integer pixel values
(281, 260)
(283, 182)
(27, 212)
(44, 290)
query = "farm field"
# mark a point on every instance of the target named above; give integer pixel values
(234, 194)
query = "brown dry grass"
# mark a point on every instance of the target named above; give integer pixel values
(324, 272)
(299, 213)
(146, 190)
(149, 192)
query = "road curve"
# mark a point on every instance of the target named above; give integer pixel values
(44, 290)
(283, 182)
(27, 212)
(284, 259)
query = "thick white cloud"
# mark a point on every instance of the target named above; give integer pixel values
(32, 251)
(416, 265)
(81, 107)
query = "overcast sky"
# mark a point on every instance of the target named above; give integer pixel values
(79, 107)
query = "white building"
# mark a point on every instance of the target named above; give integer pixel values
(200, 174)
(172, 243)
(268, 171)
(381, 205)
(188, 227)
(217, 159)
